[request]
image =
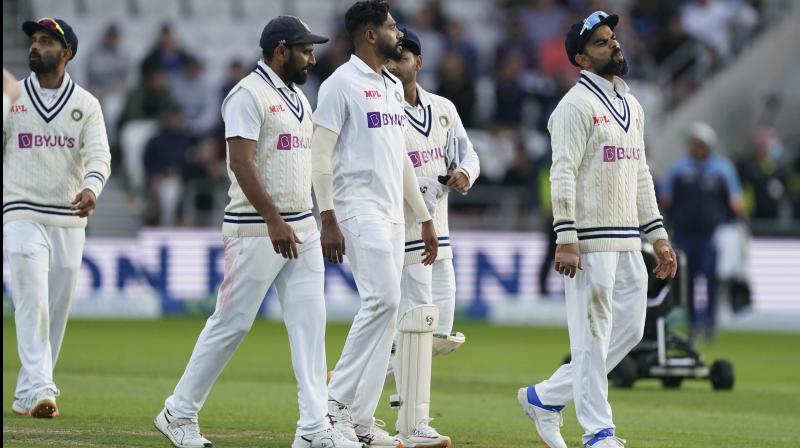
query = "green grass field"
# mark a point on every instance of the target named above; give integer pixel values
(114, 376)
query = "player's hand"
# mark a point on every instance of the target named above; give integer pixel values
(667, 260)
(84, 203)
(459, 181)
(284, 240)
(568, 259)
(331, 238)
(431, 243)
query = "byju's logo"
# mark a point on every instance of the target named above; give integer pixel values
(613, 153)
(26, 141)
(289, 141)
(377, 119)
(416, 160)
(374, 119)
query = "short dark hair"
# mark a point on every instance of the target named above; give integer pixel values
(365, 12)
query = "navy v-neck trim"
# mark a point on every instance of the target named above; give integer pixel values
(622, 118)
(297, 109)
(424, 126)
(48, 113)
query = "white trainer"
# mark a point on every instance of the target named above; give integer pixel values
(376, 436)
(181, 432)
(329, 438)
(548, 423)
(608, 442)
(44, 406)
(20, 407)
(341, 419)
(425, 436)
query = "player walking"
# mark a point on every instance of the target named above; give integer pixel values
(603, 197)
(437, 146)
(270, 237)
(360, 123)
(56, 161)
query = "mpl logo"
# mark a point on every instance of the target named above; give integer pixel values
(275, 108)
(601, 120)
(378, 119)
(372, 94)
(289, 141)
(613, 153)
(18, 108)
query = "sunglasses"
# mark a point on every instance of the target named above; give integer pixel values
(590, 22)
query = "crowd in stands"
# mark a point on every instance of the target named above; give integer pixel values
(504, 95)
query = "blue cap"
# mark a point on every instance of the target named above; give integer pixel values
(579, 33)
(57, 27)
(411, 41)
(288, 30)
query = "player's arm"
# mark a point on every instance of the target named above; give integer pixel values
(469, 167)
(569, 134)
(242, 127)
(331, 238)
(329, 119)
(11, 92)
(414, 199)
(650, 220)
(96, 156)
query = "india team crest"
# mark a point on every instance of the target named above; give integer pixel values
(444, 121)
(76, 114)
(398, 96)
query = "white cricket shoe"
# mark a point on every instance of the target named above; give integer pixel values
(425, 436)
(341, 419)
(44, 406)
(548, 422)
(376, 436)
(329, 438)
(20, 407)
(181, 432)
(608, 442)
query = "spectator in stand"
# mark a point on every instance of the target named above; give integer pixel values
(203, 174)
(234, 74)
(765, 179)
(457, 40)
(166, 54)
(107, 65)
(701, 192)
(719, 24)
(515, 40)
(510, 96)
(164, 158)
(337, 52)
(543, 20)
(456, 83)
(429, 24)
(194, 94)
(149, 99)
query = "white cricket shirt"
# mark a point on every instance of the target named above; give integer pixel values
(366, 110)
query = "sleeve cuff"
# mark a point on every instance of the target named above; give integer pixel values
(93, 187)
(566, 232)
(657, 234)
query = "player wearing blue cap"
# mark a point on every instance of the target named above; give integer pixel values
(270, 237)
(603, 197)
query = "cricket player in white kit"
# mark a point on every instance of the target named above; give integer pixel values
(603, 197)
(56, 161)
(439, 148)
(270, 236)
(361, 178)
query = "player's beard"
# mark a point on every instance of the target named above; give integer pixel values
(42, 64)
(612, 67)
(296, 70)
(390, 51)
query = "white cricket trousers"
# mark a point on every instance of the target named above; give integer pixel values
(375, 248)
(44, 262)
(424, 285)
(251, 266)
(606, 307)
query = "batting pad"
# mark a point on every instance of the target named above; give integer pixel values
(447, 343)
(414, 348)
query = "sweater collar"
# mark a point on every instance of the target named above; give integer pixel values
(618, 88)
(49, 110)
(64, 83)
